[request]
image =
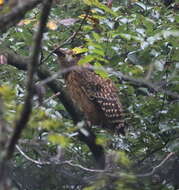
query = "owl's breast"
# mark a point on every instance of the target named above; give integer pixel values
(81, 100)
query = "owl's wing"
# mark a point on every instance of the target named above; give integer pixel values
(104, 94)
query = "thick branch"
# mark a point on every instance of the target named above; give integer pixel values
(2, 144)
(32, 67)
(16, 14)
(22, 62)
(149, 85)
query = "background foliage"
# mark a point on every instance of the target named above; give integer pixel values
(139, 39)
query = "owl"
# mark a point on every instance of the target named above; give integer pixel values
(95, 96)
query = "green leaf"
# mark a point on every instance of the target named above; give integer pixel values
(123, 159)
(96, 36)
(58, 139)
(86, 59)
(100, 5)
(95, 45)
(98, 52)
(7, 92)
(100, 70)
(89, 2)
(105, 8)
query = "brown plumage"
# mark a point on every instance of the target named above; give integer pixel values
(97, 97)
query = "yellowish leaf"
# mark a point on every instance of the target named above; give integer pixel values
(52, 25)
(101, 141)
(88, 2)
(123, 159)
(58, 139)
(78, 50)
(25, 22)
(1, 2)
(7, 92)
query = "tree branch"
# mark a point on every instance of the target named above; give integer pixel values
(16, 14)
(21, 63)
(152, 87)
(68, 162)
(158, 166)
(32, 67)
(3, 139)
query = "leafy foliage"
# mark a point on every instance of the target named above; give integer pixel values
(137, 38)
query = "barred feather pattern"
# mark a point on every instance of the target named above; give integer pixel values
(102, 95)
(97, 97)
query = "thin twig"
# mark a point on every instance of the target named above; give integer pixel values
(84, 168)
(82, 22)
(31, 159)
(68, 162)
(52, 97)
(158, 166)
(70, 39)
(153, 152)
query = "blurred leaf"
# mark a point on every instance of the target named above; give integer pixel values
(58, 139)
(7, 92)
(26, 22)
(1, 2)
(101, 140)
(86, 59)
(89, 2)
(123, 159)
(174, 146)
(67, 21)
(52, 25)
(100, 5)
(79, 50)
(96, 36)
(100, 70)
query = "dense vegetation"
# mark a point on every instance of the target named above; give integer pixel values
(135, 43)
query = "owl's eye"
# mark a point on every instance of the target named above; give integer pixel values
(73, 56)
(59, 53)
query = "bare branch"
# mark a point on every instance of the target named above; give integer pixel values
(32, 67)
(21, 63)
(152, 87)
(158, 166)
(31, 159)
(56, 86)
(16, 14)
(68, 162)
(53, 96)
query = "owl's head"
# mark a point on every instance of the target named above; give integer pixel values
(66, 57)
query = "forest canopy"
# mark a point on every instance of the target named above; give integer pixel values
(45, 140)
